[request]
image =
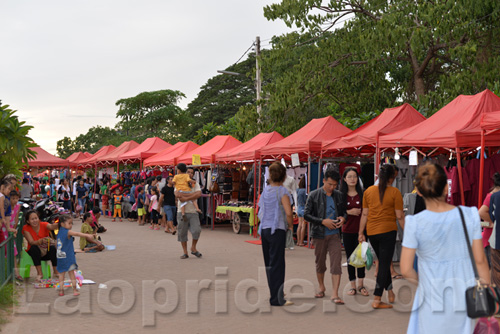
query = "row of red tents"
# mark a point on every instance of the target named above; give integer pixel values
(457, 127)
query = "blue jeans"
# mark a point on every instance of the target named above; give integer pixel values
(81, 202)
(169, 212)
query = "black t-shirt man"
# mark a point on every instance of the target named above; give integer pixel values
(168, 195)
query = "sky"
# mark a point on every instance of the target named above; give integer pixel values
(64, 64)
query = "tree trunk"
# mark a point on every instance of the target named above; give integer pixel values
(419, 85)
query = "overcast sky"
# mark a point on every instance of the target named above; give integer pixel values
(64, 64)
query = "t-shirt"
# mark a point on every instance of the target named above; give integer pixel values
(330, 214)
(117, 199)
(141, 199)
(168, 195)
(43, 232)
(80, 191)
(154, 203)
(382, 217)
(26, 190)
(86, 228)
(352, 222)
(189, 208)
(182, 182)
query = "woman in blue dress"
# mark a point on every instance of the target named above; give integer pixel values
(445, 270)
(66, 261)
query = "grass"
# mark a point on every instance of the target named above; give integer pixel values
(8, 298)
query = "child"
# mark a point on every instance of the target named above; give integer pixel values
(117, 199)
(66, 261)
(85, 245)
(141, 199)
(154, 208)
(96, 214)
(183, 183)
(105, 197)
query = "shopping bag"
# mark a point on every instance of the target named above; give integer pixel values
(487, 326)
(356, 259)
(290, 244)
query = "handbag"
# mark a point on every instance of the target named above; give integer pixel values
(482, 300)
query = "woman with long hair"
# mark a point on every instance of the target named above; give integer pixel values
(382, 206)
(351, 190)
(301, 204)
(445, 271)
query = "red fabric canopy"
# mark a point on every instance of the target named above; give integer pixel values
(249, 150)
(45, 159)
(116, 154)
(168, 156)
(456, 125)
(93, 159)
(490, 121)
(308, 139)
(76, 157)
(147, 149)
(207, 151)
(364, 138)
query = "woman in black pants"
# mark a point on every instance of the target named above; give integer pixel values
(350, 188)
(382, 206)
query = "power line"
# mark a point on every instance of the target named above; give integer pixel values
(243, 55)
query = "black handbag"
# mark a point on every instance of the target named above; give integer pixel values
(482, 300)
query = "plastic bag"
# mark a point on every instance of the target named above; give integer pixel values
(487, 326)
(290, 244)
(356, 259)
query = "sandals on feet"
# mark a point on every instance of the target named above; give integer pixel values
(184, 256)
(337, 301)
(320, 294)
(351, 292)
(197, 254)
(362, 290)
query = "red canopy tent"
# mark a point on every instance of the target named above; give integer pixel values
(168, 156)
(146, 149)
(115, 155)
(456, 127)
(90, 161)
(45, 159)
(208, 150)
(76, 157)
(250, 150)
(365, 139)
(308, 139)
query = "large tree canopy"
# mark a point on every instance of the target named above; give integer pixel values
(221, 97)
(151, 114)
(357, 56)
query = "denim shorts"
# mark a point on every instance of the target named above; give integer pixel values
(169, 212)
(300, 211)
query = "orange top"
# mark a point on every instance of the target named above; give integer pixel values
(43, 232)
(382, 218)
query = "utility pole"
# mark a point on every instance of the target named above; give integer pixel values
(258, 82)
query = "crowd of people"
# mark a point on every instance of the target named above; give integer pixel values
(341, 212)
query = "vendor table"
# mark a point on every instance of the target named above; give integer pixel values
(237, 219)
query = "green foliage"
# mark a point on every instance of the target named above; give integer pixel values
(221, 97)
(14, 143)
(355, 57)
(65, 147)
(8, 299)
(151, 114)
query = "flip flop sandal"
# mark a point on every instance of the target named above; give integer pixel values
(197, 254)
(362, 290)
(76, 293)
(320, 294)
(184, 256)
(61, 293)
(398, 276)
(351, 292)
(337, 301)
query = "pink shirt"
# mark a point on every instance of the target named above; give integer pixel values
(486, 230)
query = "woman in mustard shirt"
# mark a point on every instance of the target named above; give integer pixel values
(382, 205)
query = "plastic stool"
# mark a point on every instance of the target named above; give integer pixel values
(26, 263)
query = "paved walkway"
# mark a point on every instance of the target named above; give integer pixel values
(218, 293)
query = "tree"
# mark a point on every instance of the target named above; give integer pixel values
(386, 53)
(151, 114)
(222, 96)
(14, 143)
(65, 147)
